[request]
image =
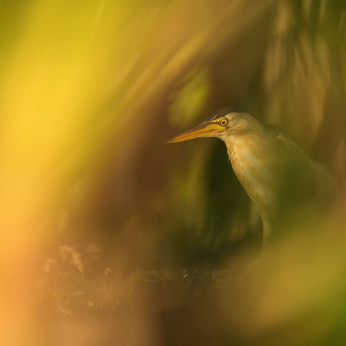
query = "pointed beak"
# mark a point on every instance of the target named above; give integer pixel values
(206, 129)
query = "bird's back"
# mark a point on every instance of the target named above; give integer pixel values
(305, 180)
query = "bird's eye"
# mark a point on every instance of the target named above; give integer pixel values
(223, 122)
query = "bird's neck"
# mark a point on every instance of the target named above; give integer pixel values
(244, 149)
(249, 158)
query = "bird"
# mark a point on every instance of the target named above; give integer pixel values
(276, 173)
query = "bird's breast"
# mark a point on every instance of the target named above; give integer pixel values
(255, 172)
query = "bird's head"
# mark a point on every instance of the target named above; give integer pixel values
(222, 124)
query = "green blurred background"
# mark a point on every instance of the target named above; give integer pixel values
(89, 93)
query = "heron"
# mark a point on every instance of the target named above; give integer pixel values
(276, 173)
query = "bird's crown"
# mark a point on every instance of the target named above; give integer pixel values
(226, 110)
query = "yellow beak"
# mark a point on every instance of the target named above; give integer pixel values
(206, 129)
